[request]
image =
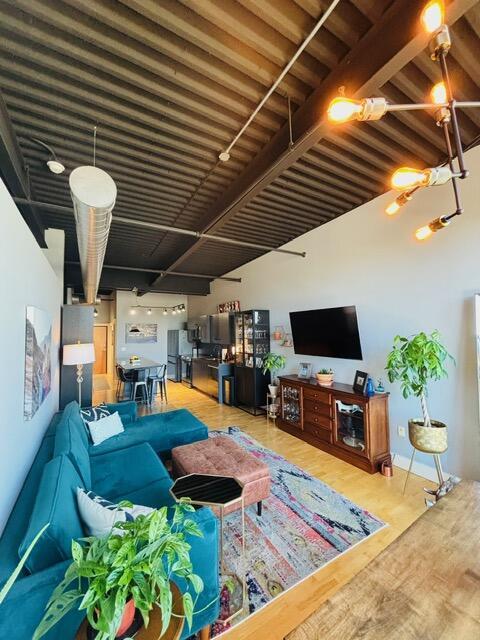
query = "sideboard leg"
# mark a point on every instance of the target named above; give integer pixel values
(205, 633)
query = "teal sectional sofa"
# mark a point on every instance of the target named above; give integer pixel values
(127, 466)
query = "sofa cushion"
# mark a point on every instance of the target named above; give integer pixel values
(55, 504)
(118, 473)
(98, 514)
(155, 495)
(162, 431)
(104, 428)
(71, 440)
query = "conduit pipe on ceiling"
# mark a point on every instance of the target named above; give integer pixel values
(224, 156)
(93, 194)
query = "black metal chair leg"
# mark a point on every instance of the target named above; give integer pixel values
(259, 508)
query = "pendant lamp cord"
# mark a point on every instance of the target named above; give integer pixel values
(94, 143)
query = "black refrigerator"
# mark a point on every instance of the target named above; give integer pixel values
(177, 346)
(252, 343)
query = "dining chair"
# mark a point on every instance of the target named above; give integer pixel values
(158, 381)
(123, 378)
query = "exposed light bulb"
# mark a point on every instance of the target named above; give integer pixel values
(165, 312)
(344, 109)
(173, 312)
(133, 311)
(95, 313)
(149, 312)
(423, 232)
(439, 93)
(406, 178)
(392, 208)
(433, 16)
(432, 227)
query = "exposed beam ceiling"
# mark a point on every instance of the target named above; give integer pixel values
(171, 83)
(396, 39)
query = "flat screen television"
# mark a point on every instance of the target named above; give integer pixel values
(331, 333)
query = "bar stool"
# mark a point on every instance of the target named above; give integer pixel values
(159, 378)
(123, 378)
(140, 382)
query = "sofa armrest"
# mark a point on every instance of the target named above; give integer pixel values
(204, 554)
(127, 410)
(24, 606)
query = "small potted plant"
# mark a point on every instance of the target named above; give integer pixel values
(273, 362)
(325, 377)
(414, 362)
(129, 569)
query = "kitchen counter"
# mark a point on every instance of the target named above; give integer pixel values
(207, 375)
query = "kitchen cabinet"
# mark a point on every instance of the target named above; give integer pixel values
(204, 334)
(221, 328)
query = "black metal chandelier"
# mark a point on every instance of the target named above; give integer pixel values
(444, 107)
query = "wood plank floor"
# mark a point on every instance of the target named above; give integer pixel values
(382, 496)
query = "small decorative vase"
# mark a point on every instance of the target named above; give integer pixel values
(273, 390)
(428, 439)
(326, 379)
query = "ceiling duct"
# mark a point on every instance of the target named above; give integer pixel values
(93, 194)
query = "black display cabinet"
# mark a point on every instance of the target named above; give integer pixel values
(252, 343)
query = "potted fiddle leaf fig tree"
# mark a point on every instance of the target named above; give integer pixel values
(273, 362)
(414, 362)
(131, 569)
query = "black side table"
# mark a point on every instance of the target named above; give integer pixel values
(219, 492)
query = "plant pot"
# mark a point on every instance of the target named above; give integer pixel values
(273, 390)
(326, 379)
(428, 439)
(127, 618)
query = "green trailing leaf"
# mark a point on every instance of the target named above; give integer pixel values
(9, 583)
(188, 608)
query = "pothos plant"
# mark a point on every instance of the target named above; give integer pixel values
(135, 561)
(273, 362)
(416, 360)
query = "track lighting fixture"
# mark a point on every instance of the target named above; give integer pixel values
(165, 312)
(52, 163)
(176, 309)
(444, 107)
(149, 312)
(95, 313)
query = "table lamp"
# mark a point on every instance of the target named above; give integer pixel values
(79, 354)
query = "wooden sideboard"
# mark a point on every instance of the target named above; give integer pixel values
(336, 419)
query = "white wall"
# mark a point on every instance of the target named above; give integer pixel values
(399, 285)
(155, 351)
(27, 279)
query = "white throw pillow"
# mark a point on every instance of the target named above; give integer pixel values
(99, 515)
(105, 428)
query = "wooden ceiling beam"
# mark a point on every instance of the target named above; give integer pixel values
(391, 43)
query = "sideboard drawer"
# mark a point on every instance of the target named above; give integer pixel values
(318, 396)
(317, 419)
(315, 406)
(318, 432)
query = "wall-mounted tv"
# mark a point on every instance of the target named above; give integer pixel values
(332, 333)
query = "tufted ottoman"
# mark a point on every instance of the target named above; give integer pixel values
(221, 456)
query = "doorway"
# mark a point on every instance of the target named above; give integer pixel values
(100, 341)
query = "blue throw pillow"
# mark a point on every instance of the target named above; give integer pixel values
(92, 414)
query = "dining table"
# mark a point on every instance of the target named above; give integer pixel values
(138, 365)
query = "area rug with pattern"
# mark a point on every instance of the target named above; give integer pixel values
(304, 525)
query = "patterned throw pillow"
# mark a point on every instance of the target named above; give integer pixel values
(99, 514)
(92, 414)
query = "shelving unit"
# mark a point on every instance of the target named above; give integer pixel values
(252, 343)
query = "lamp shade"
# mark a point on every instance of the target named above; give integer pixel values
(78, 353)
